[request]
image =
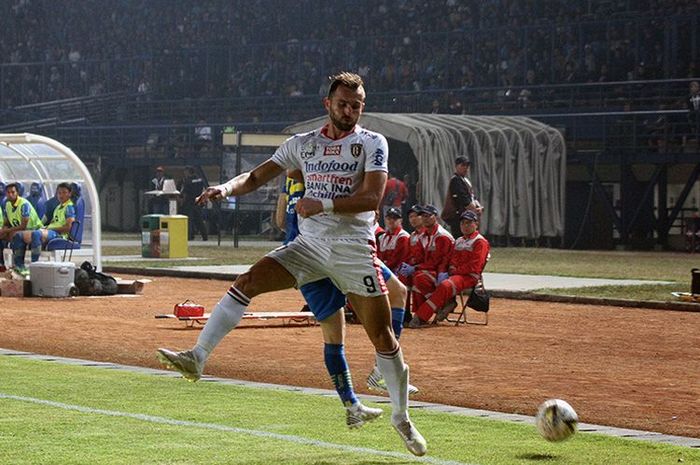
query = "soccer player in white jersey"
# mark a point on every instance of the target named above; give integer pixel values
(345, 169)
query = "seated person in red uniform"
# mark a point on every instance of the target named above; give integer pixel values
(435, 248)
(392, 247)
(406, 269)
(467, 261)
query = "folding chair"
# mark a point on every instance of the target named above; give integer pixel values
(464, 313)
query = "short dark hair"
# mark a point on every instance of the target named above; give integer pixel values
(462, 161)
(65, 185)
(345, 78)
(12, 184)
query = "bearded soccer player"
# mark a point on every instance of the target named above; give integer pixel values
(345, 170)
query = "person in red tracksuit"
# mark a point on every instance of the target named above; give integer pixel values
(415, 254)
(436, 248)
(468, 259)
(393, 245)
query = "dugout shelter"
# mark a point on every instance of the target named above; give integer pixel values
(29, 158)
(518, 165)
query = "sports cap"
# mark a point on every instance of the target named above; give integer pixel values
(469, 216)
(393, 213)
(417, 208)
(429, 210)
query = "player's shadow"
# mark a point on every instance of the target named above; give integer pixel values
(537, 456)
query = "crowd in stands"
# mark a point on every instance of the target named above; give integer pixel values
(29, 220)
(223, 48)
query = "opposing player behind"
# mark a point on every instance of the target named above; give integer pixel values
(345, 168)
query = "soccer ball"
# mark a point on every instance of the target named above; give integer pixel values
(556, 420)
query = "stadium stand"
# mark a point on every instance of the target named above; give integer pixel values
(612, 75)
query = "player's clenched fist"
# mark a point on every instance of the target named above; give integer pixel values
(211, 193)
(308, 207)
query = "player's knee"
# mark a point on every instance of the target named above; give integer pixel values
(397, 294)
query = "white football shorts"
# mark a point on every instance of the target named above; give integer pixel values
(351, 264)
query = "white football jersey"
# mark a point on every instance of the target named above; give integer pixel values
(332, 169)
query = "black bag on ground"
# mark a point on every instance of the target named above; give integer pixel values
(91, 282)
(479, 298)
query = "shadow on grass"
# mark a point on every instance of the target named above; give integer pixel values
(537, 456)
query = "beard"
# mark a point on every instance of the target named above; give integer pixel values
(340, 124)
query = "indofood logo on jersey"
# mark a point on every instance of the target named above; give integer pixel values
(323, 166)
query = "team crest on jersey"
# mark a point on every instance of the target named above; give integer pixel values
(356, 150)
(308, 150)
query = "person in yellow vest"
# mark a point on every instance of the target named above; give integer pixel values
(20, 216)
(60, 225)
(3, 242)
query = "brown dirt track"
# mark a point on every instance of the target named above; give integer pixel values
(627, 367)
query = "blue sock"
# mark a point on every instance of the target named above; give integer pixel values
(337, 365)
(36, 245)
(18, 249)
(397, 321)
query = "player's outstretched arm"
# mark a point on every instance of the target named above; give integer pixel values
(243, 183)
(365, 199)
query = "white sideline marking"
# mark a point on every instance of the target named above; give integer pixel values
(232, 429)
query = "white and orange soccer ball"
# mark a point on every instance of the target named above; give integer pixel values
(556, 420)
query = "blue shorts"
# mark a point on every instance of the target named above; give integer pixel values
(324, 299)
(51, 234)
(386, 272)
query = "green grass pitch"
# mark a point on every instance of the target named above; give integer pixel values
(55, 413)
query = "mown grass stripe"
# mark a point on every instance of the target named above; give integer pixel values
(232, 429)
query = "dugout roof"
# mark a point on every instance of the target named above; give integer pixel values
(29, 158)
(518, 165)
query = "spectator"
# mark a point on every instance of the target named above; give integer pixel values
(395, 194)
(60, 225)
(460, 196)
(203, 138)
(158, 204)
(393, 245)
(466, 263)
(435, 248)
(192, 186)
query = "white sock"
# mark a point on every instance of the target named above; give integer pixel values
(226, 316)
(396, 376)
